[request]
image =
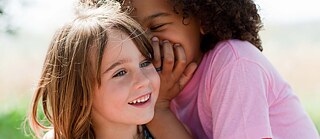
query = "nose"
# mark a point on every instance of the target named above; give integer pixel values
(140, 79)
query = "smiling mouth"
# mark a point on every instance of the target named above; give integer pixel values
(141, 100)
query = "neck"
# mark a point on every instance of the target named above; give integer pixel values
(198, 60)
(116, 132)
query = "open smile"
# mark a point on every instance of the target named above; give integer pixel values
(141, 100)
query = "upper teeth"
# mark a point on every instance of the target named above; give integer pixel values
(140, 100)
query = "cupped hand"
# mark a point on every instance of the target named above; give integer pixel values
(174, 71)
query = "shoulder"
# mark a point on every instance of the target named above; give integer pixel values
(228, 52)
(232, 59)
(234, 48)
(241, 63)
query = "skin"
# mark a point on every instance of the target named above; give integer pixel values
(175, 74)
(177, 50)
(169, 33)
(160, 20)
(126, 76)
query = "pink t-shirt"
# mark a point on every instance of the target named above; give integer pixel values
(237, 93)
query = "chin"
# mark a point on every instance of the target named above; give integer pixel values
(146, 118)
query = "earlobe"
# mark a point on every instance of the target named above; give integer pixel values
(202, 30)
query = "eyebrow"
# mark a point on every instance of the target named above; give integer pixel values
(155, 16)
(120, 62)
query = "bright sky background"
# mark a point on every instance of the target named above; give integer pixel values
(41, 14)
(289, 11)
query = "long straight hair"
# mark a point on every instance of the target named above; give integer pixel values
(72, 68)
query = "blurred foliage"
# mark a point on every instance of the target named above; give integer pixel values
(11, 126)
(311, 104)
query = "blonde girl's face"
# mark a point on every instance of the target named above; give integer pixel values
(129, 85)
(160, 19)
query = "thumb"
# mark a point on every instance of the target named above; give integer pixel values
(187, 74)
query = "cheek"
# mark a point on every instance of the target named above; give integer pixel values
(120, 84)
(111, 93)
(109, 100)
(154, 79)
(171, 33)
(179, 35)
(188, 41)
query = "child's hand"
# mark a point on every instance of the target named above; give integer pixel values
(173, 69)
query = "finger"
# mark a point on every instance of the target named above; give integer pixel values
(156, 52)
(180, 60)
(187, 74)
(168, 57)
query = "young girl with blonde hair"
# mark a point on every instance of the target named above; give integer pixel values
(97, 80)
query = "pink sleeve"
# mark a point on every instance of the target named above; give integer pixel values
(239, 102)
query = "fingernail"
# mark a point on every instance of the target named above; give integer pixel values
(165, 41)
(176, 45)
(155, 39)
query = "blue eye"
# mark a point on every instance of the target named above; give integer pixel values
(120, 73)
(145, 63)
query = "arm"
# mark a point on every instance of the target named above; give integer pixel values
(174, 75)
(239, 93)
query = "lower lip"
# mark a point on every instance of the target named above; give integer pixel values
(142, 105)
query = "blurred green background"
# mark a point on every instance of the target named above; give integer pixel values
(291, 40)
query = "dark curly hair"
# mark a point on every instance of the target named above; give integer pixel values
(220, 19)
(224, 19)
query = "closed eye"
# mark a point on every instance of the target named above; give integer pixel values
(120, 73)
(158, 27)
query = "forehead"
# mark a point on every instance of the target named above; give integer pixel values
(144, 8)
(119, 46)
(117, 40)
(117, 36)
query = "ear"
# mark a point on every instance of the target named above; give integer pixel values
(201, 29)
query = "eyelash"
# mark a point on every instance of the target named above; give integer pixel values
(120, 73)
(145, 63)
(155, 28)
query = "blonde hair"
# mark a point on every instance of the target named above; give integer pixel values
(72, 68)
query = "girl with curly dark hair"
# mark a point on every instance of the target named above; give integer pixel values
(235, 92)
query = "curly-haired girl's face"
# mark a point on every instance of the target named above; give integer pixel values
(162, 21)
